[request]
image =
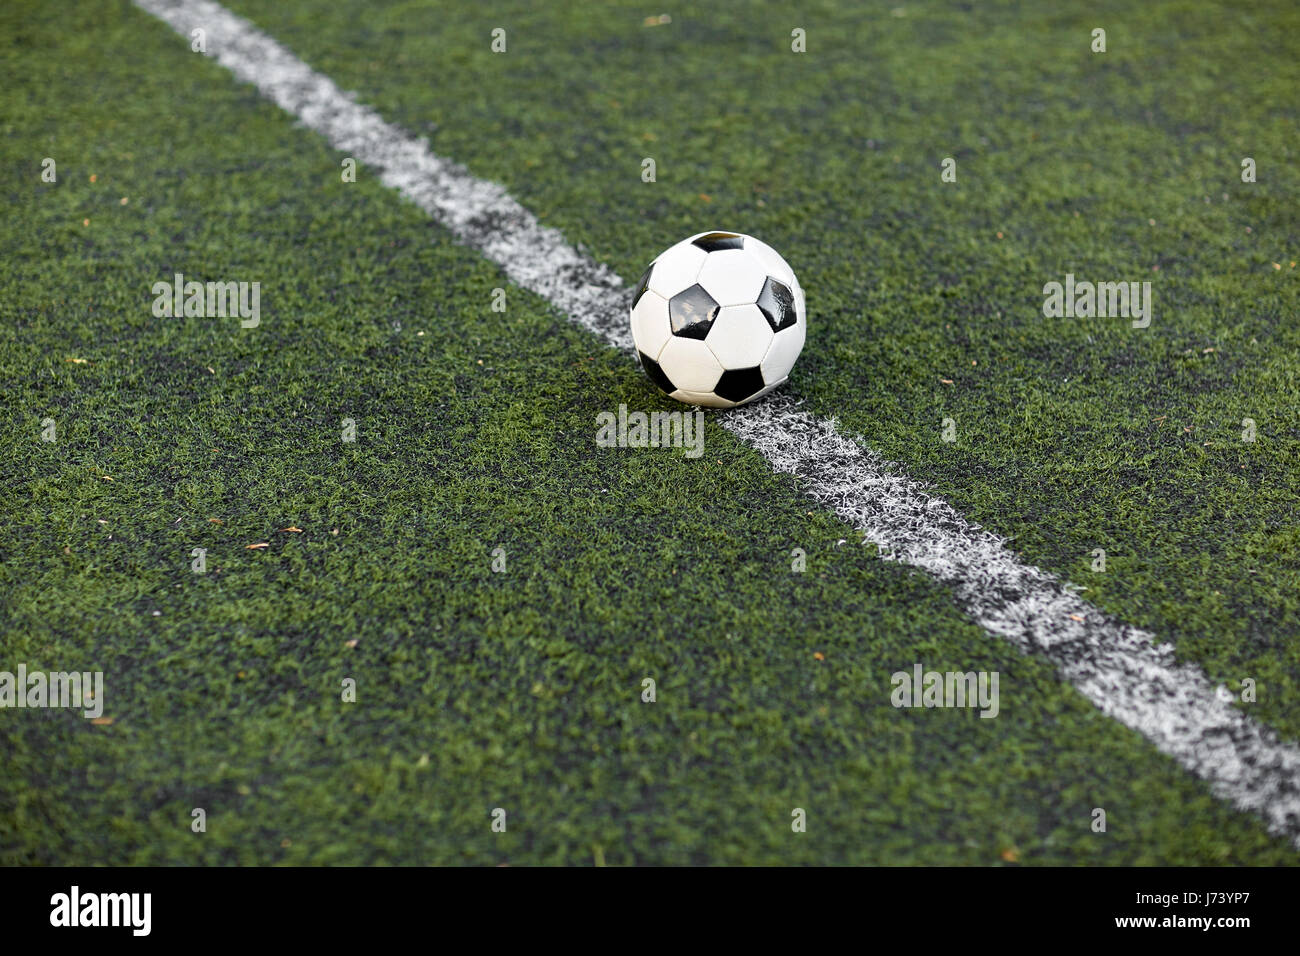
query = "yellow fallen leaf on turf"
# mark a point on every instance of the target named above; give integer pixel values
(1011, 854)
(946, 381)
(819, 656)
(250, 547)
(215, 521)
(293, 529)
(93, 177)
(102, 721)
(85, 222)
(77, 361)
(351, 643)
(105, 478)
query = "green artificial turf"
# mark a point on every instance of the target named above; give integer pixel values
(475, 431)
(1072, 434)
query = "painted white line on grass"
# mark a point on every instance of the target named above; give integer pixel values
(1117, 667)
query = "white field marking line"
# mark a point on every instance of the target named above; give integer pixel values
(1119, 668)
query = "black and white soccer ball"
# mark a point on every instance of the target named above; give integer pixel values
(718, 320)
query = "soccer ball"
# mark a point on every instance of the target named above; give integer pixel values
(718, 320)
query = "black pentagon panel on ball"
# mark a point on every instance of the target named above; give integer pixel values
(777, 304)
(692, 312)
(642, 285)
(738, 384)
(717, 241)
(656, 374)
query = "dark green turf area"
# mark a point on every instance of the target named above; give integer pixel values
(1073, 434)
(521, 690)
